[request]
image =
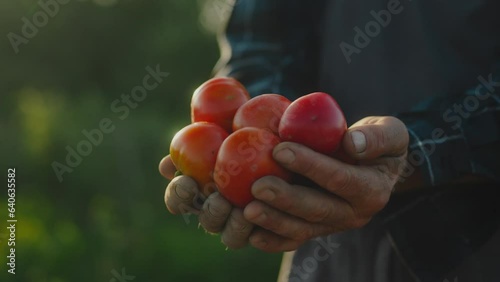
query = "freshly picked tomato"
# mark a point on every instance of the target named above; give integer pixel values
(229, 145)
(217, 100)
(263, 111)
(244, 157)
(314, 120)
(193, 151)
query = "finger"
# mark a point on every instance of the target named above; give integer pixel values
(270, 242)
(167, 168)
(214, 213)
(311, 205)
(373, 137)
(237, 230)
(347, 181)
(182, 196)
(283, 224)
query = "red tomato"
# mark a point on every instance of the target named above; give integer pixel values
(263, 111)
(217, 101)
(244, 157)
(316, 121)
(194, 151)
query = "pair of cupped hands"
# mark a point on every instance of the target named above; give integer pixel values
(283, 216)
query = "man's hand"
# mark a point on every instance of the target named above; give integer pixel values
(350, 195)
(284, 215)
(215, 214)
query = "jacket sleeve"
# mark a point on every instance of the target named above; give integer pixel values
(458, 136)
(270, 46)
(435, 229)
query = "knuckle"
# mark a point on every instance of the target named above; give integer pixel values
(308, 168)
(396, 123)
(286, 201)
(375, 203)
(340, 180)
(401, 164)
(275, 184)
(389, 167)
(303, 234)
(274, 224)
(277, 226)
(320, 214)
(392, 167)
(380, 201)
(379, 139)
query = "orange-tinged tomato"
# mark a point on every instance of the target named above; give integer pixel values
(244, 157)
(194, 151)
(217, 101)
(263, 111)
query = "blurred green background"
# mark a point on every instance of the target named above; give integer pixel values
(108, 213)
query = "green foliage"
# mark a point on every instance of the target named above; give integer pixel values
(108, 213)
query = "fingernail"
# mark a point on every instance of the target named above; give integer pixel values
(285, 156)
(265, 195)
(359, 140)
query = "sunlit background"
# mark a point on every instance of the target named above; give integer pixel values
(107, 216)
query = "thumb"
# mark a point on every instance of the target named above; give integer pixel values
(374, 137)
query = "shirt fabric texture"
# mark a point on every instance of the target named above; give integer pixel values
(433, 64)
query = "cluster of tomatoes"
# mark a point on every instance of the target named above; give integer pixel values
(229, 144)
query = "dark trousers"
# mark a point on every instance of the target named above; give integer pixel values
(446, 234)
